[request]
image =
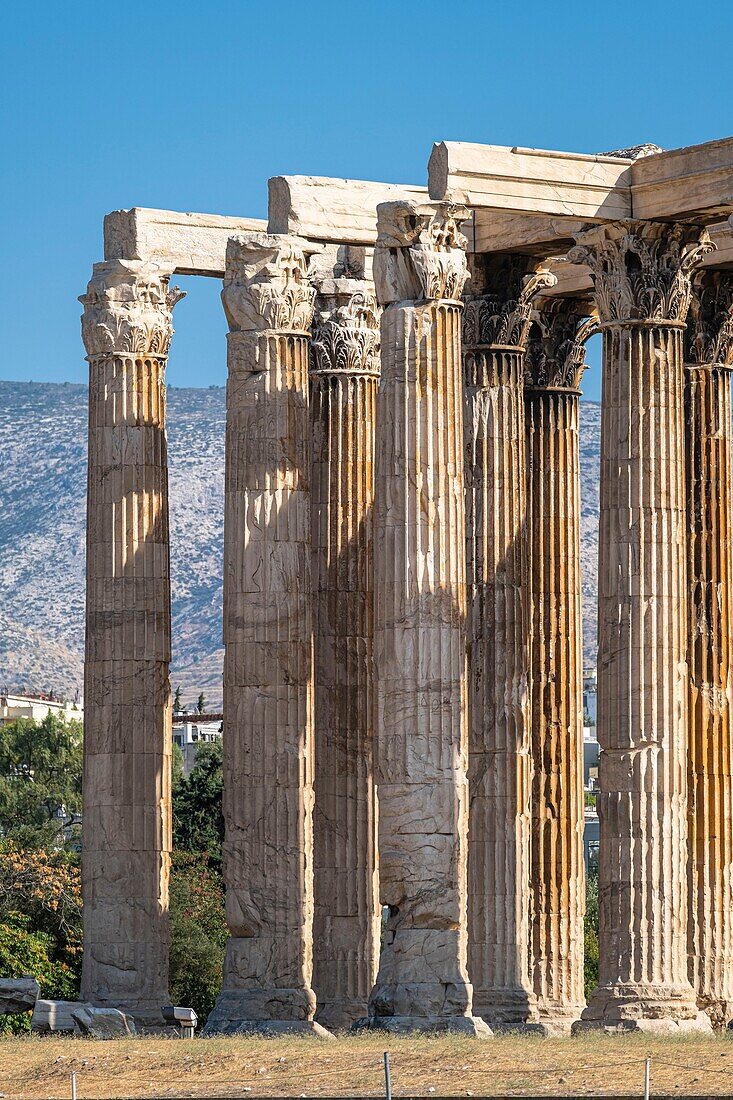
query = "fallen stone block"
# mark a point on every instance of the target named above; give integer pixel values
(102, 1023)
(54, 1016)
(18, 994)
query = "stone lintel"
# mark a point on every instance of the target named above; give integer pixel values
(332, 210)
(694, 183)
(188, 244)
(537, 181)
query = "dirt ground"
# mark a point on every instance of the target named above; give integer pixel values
(37, 1067)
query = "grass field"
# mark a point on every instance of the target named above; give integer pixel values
(597, 1065)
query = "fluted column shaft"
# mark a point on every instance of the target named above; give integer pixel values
(268, 637)
(555, 363)
(420, 613)
(708, 352)
(642, 290)
(127, 722)
(500, 766)
(557, 874)
(343, 379)
(500, 773)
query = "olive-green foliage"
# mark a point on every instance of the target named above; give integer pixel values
(40, 770)
(198, 821)
(198, 933)
(591, 931)
(40, 922)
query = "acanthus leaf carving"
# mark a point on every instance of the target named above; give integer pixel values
(501, 314)
(345, 334)
(128, 309)
(555, 355)
(266, 284)
(709, 334)
(642, 269)
(420, 252)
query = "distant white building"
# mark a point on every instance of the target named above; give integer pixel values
(590, 697)
(192, 730)
(38, 707)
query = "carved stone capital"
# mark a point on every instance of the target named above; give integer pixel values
(555, 356)
(642, 269)
(420, 252)
(266, 284)
(501, 314)
(709, 335)
(345, 333)
(128, 309)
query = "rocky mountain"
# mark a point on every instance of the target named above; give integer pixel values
(42, 513)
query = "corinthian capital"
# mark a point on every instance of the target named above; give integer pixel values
(128, 309)
(555, 356)
(420, 252)
(266, 285)
(500, 314)
(709, 335)
(345, 333)
(642, 269)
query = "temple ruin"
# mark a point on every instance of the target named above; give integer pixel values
(402, 678)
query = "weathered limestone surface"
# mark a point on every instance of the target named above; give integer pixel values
(642, 291)
(420, 614)
(326, 209)
(495, 328)
(502, 178)
(127, 734)
(554, 364)
(18, 994)
(102, 1023)
(268, 635)
(344, 373)
(189, 244)
(708, 359)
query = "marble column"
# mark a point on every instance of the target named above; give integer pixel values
(495, 329)
(554, 365)
(420, 617)
(708, 359)
(268, 638)
(344, 373)
(642, 290)
(127, 330)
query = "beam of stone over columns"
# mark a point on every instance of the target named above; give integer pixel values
(554, 365)
(642, 291)
(708, 359)
(344, 374)
(420, 617)
(495, 329)
(127, 330)
(268, 637)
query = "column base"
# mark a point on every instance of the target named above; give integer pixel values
(507, 1010)
(556, 1023)
(655, 1010)
(340, 1015)
(470, 1026)
(271, 1013)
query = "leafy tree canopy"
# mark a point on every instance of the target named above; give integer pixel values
(40, 771)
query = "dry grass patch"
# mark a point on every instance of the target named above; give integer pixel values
(34, 1068)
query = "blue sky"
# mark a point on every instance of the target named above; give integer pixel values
(191, 106)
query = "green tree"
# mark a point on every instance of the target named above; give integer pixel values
(198, 933)
(40, 922)
(177, 700)
(40, 772)
(201, 703)
(198, 821)
(591, 931)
